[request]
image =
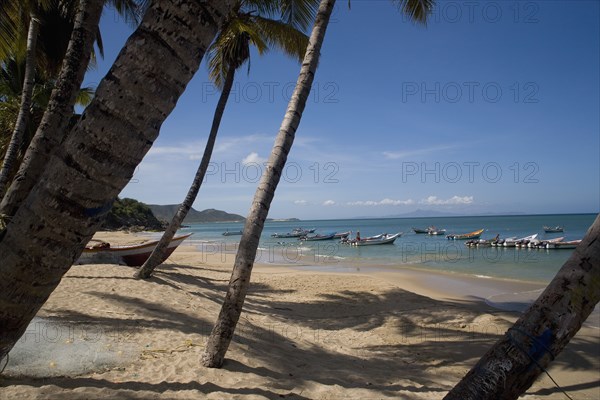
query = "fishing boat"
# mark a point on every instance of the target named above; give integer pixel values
(317, 237)
(342, 235)
(541, 244)
(555, 229)
(437, 232)
(132, 255)
(563, 245)
(519, 242)
(465, 236)
(419, 231)
(296, 233)
(382, 239)
(233, 233)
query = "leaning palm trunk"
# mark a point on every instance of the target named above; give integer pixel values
(158, 254)
(53, 127)
(98, 158)
(224, 328)
(510, 367)
(16, 139)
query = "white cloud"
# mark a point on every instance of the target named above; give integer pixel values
(253, 158)
(384, 202)
(329, 203)
(300, 202)
(435, 201)
(395, 155)
(192, 151)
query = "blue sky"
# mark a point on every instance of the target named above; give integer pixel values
(491, 108)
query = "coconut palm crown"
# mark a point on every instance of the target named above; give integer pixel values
(263, 24)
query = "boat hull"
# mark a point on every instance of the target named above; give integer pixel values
(133, 256)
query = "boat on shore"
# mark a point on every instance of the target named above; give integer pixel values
(465, 236)
(553, 229)
(133, 255)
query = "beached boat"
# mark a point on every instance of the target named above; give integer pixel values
(232, 233)
(555, 229)
(382, 239)
(317, 237)
(465, 236)
(132, 255)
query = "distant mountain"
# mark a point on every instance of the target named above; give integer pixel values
(424, 213)
(167, 212)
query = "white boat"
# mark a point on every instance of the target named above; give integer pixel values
(563, 245)
(382, 239)
(512, 242)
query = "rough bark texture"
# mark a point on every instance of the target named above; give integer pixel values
(16, 139)
(98, 158)
(158, 255)
(509, 368)
(52, 129)
(224, 328)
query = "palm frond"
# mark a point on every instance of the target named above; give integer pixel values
(283, 36)
(298, 13)
(231, 48)
(131, 11)
(416, 10)
(85, 96)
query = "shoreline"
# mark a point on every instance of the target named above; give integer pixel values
(304, 334)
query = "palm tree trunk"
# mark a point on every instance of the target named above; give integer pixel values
(158, 254)
(16, 140)
(98, 158)
(53, 127)
(510, 367)
(224, 328)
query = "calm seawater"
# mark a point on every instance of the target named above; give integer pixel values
(417, 250)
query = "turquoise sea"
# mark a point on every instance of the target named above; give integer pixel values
(416, 250)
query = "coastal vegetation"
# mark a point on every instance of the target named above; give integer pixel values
(47, 229)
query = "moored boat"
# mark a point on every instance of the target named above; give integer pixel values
(465, 236)
(232, 233)
(553, 229)
(382, 239)
(420, 231)
(317, 237)
(563, 245)
(132, 255)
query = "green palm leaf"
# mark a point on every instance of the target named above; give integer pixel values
(417, 10)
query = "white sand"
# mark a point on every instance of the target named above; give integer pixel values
(304, 334)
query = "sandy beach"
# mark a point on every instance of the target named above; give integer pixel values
(305, 334)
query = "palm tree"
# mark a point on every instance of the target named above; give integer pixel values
(509, 368)
(231, 50)
(10, 157)
(239, 282)
(99, 156)
(81, 23)
(59, 107)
